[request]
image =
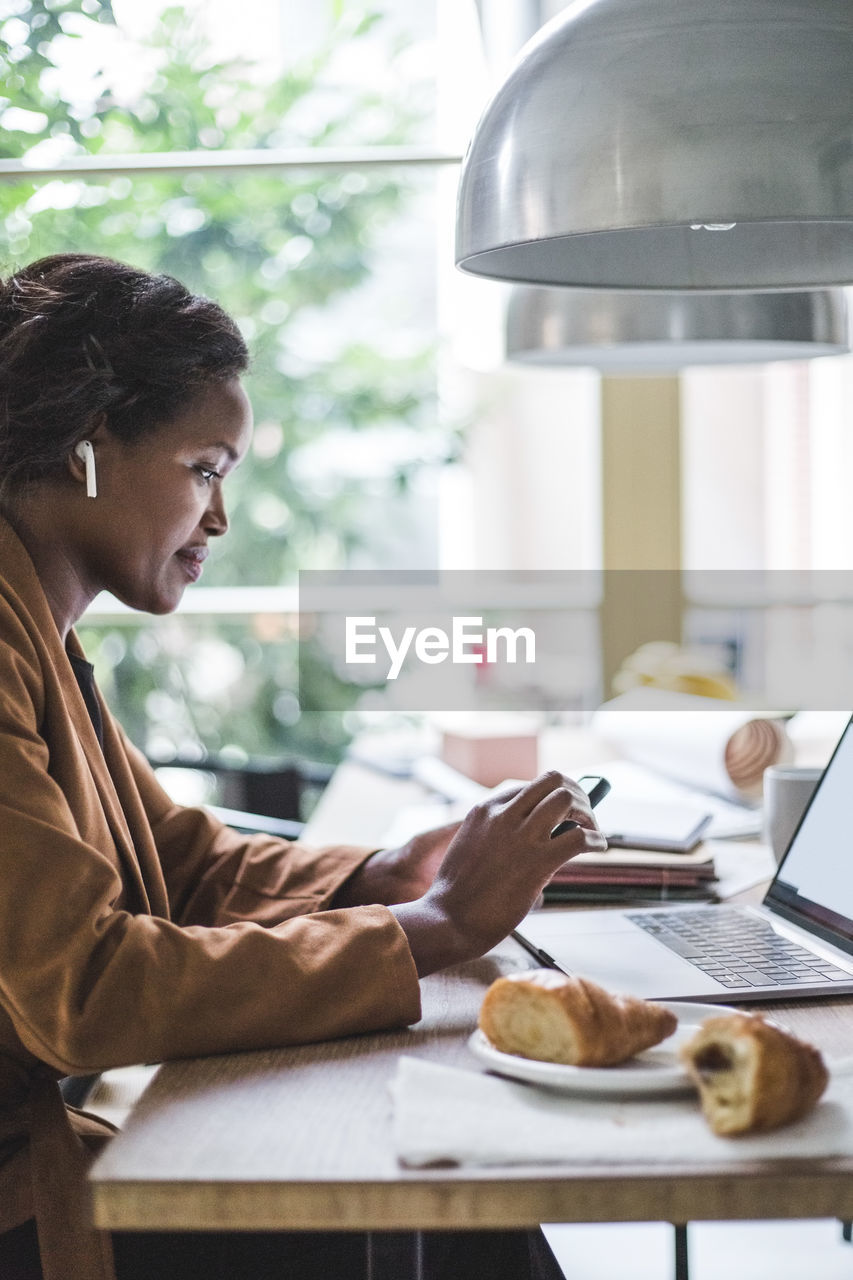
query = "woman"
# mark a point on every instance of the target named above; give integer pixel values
(133, 930)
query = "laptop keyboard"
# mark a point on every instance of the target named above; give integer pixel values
(736, 949)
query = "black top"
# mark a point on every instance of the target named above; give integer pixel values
(84, 673)
(74, 1089)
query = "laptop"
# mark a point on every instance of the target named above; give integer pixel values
(798, 942)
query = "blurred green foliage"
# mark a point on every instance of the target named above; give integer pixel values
(286, 252)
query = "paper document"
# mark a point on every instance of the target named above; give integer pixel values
(701, 742)
(671, 826)
(630, 781)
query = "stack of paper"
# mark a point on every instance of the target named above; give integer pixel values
(654, 853)
(635, 875)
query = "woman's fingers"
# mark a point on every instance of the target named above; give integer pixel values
(568, 803)
(576, 838)
(550, 801)
(528, 798)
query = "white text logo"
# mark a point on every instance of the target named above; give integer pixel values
(467, 642)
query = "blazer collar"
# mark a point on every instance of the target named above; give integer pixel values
(20, 575)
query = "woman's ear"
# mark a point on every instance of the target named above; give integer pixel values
(85, 450)
(81, 462)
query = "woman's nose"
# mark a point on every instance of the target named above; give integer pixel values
(216, 519)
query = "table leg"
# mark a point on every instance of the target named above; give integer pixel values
(682, 1261)
(392, 1255)
(454, 1255)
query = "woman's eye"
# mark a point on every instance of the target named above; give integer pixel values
(208, 473)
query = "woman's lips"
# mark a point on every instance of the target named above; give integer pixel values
(192, 561)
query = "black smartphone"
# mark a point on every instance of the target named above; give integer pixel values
(596, 789)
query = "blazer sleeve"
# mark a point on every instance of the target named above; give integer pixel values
(214, 875)
(86, 985)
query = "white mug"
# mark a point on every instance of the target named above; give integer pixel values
(787, 790)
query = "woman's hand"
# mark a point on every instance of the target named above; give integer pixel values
(398, 875)
(495, 868)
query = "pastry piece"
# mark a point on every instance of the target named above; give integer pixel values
(543, 1014)
(751, 1074)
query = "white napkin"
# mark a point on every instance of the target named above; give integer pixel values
(470, 1117)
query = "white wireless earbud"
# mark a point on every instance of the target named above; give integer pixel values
(85, 451)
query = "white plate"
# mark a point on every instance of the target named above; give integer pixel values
(656, 1071)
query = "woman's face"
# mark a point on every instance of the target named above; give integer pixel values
(145, 537)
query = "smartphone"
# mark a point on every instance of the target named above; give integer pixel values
(596, 789)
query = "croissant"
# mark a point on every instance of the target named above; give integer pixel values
(545, 1015)
(751, 1074)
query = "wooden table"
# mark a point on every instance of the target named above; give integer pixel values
(300, 1138)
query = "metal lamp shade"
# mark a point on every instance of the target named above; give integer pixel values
(669, 144)
(658, 331)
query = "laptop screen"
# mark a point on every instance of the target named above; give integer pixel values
(813, 886)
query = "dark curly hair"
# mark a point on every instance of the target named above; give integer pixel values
(84, 336)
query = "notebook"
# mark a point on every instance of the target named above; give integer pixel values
(644, 824)
(798, 942)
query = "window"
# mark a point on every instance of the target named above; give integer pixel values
(767, 469)
(329, 269)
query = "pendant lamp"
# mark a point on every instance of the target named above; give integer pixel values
(666, 331)
(669, 144)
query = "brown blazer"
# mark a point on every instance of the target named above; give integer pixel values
(134, 930)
